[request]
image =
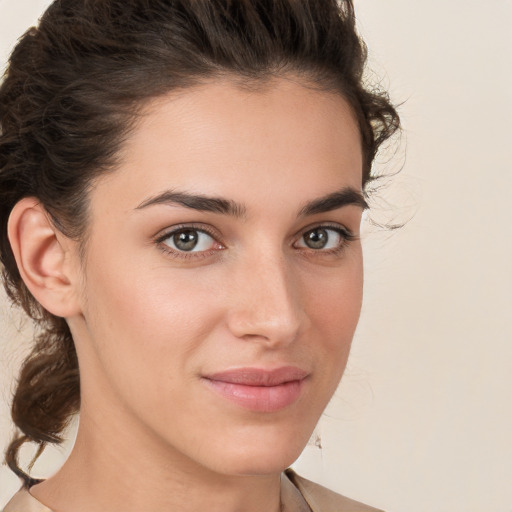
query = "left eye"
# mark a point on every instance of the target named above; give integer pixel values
(322, 238)
(189, 240)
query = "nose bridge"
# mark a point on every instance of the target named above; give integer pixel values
(267, 304)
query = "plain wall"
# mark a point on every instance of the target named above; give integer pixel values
(422, 421)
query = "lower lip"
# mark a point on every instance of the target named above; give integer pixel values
(259, 398)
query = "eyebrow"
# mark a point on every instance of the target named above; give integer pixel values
(344, 197)
(196, 202)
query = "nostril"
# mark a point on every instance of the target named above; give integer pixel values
(272, 329)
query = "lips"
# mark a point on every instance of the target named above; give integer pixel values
(257, 389)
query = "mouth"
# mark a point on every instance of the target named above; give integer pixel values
(258, 389)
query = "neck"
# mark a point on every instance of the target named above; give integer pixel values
(105, 468)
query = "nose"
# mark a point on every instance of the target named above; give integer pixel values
(266, 304)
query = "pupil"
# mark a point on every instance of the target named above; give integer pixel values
(185, 240)
(316, 239)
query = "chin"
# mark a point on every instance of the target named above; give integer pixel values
(261, 454)
(260, 465)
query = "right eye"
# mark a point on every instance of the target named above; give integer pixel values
(189, 240)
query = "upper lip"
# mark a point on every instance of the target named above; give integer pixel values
(259, 376)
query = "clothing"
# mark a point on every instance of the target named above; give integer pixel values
(297, 495)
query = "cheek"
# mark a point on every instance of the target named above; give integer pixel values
(145, 334)
(334, 311)
(144, 322)
(152, 311)
(334, 302)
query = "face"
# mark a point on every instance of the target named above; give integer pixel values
(222, 280)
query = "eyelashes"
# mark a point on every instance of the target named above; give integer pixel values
(188, 241)
(325, 238)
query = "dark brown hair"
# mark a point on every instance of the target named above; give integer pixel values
(73, 89)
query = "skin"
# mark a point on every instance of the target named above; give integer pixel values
(149, 322)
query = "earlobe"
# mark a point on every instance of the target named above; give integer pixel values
(43, 257)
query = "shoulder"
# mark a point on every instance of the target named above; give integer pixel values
(23, 501)
(321, 499)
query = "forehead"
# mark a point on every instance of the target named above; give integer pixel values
(221, 139)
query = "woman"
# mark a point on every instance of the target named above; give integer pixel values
(182, 186)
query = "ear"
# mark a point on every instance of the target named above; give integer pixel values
(46, 259)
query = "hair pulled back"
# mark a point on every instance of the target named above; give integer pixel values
(73, 89)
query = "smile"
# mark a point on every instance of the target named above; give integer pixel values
(259, 390)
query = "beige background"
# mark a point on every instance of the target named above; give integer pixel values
(423, 419)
